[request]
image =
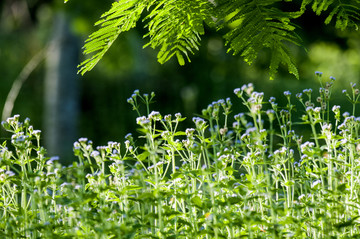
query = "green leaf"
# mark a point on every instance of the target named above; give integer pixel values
(259, 25)
(196, 200)
(121, 17)
(175, 27)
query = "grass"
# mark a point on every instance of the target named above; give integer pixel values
(253, 177)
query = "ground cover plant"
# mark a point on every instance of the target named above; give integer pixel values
(232, 175)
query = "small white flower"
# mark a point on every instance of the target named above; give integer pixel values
(94, 153)
(316, 182)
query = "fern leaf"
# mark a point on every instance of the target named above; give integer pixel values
(346, 13)
(121, 17)
(176, 26)
(259, 25)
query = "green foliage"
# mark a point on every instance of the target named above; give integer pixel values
(258, 24)
(347, 13)
(248, 179)
(122, 16)
(175, 27)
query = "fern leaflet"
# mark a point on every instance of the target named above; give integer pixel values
(259, 25)
(346, 13)
(122, 16)
(176, 26)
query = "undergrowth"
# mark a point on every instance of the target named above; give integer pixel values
(251, 175)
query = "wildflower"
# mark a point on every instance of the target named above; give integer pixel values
(307, 145)
(316, 182)
(272, 99)
(189, 131)
(167, 118)
(88, 147)
(238, 116)
(238, 92)
(83, 140)
(326, 126)
(130, 100)
(318, 73)
(228, 101)
(199, 122)
(343, 141)
(341, 126)
(336, 108)
(332, 78)
(236, 125)
(128, 136)
(143, 121)
(66, 184)
(165, 135)
(52, 159)
(346, 114)
(291, 153)
(101, 148)
(245, 136)
(307, 91)
(155, 115)
(248, 88)
(309, 109)
(94, 153)
(287, 93)
(252, 129)
(301, 197)
(178, 116)
(317, 109)
(220, 102)
(10, 173)
(36, 132)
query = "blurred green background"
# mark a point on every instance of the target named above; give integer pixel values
(27, 27)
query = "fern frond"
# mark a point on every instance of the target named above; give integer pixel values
(121, 17)
(259, 25)
(176, 26)
(346, 13)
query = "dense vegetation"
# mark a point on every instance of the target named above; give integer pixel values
(254, 176)
(282, 167)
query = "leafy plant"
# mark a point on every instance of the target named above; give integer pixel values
(254, 177)
(175, 27)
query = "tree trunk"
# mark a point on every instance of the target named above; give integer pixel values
(61, 91)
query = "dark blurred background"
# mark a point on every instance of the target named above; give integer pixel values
(66, 106)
